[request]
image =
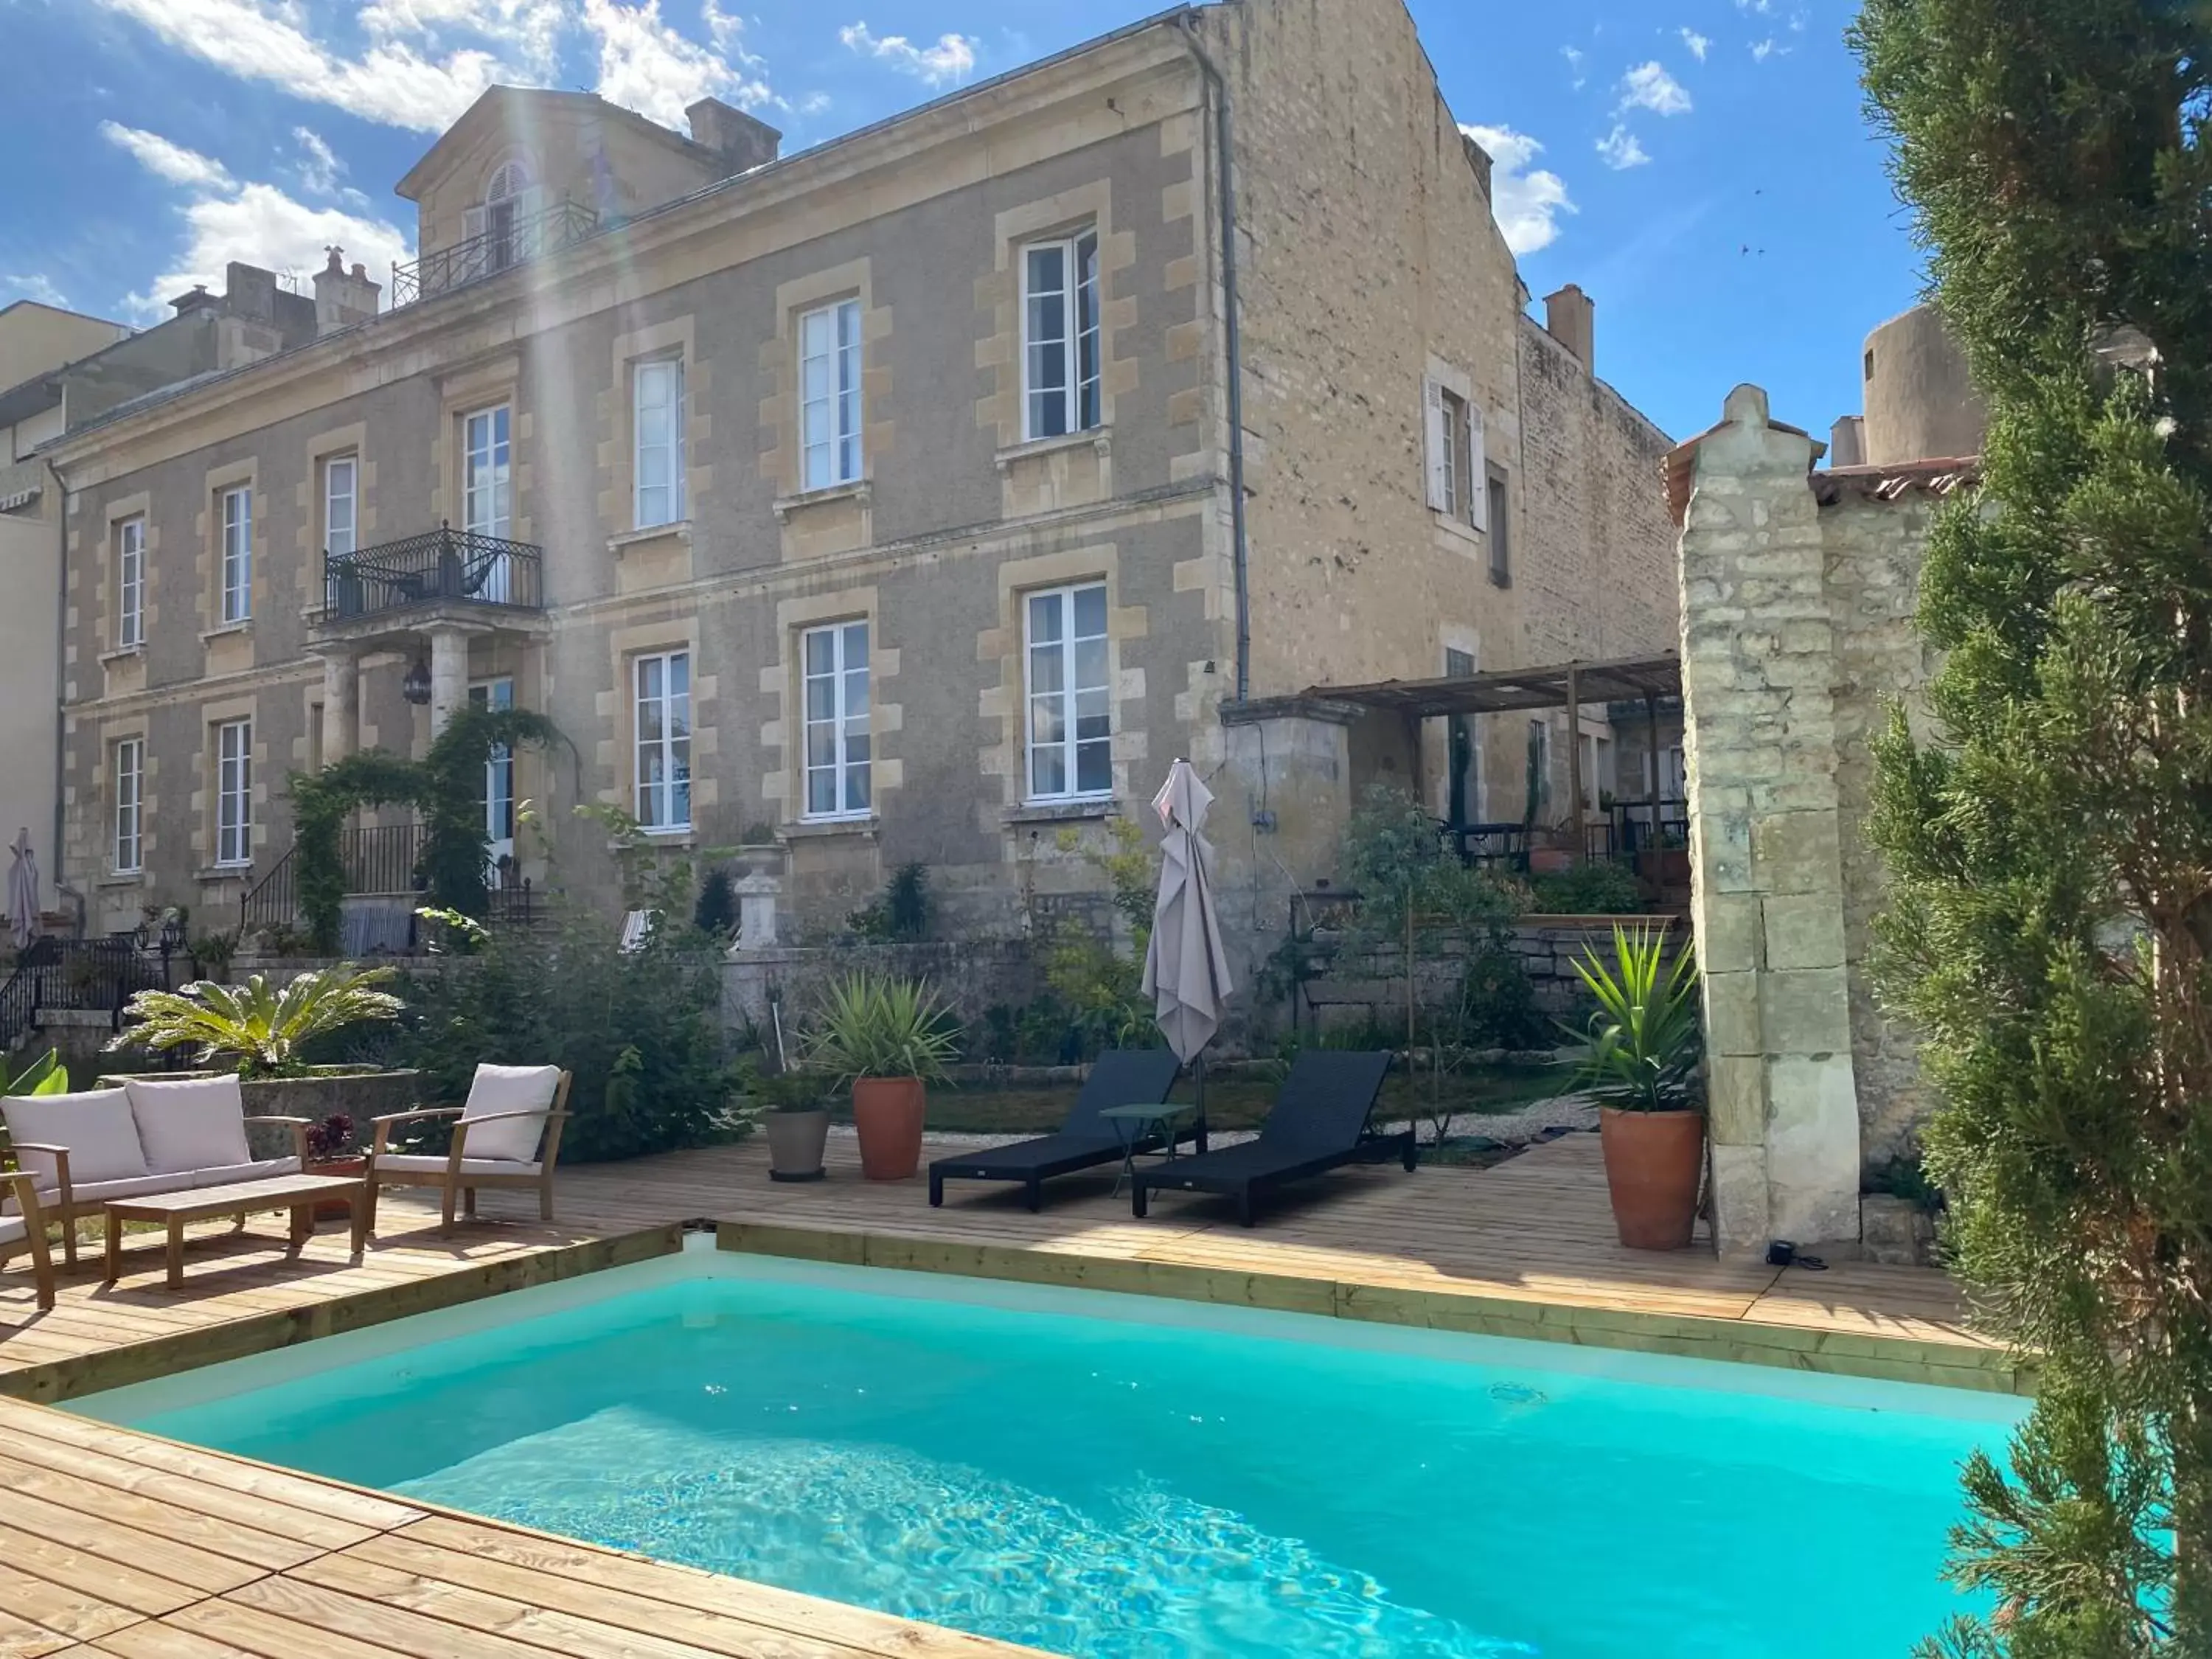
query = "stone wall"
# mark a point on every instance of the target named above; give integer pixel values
(1798, 591)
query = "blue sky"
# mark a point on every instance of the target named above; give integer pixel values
(1700, 167)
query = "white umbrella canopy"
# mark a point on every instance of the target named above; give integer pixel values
(1185, 965)
(23, 891)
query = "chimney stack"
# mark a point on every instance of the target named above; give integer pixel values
(1572, 320)
(743, 142)
(1847, 441)
(343, 297)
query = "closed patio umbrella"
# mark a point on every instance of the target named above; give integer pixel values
(1186, 966)
(23, 892)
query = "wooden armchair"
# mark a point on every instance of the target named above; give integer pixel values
(27, 1230)
(510, 1108)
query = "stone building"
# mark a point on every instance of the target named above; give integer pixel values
(913, 497)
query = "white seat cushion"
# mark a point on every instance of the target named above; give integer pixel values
(82, 1193)
(96, 1126)
(509, 1089)
(226, 1175)
(434, 1164)
(11, 1230)
(189, 1123)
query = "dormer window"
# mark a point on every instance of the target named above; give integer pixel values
(510, 199)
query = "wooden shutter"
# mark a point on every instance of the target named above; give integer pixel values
(472, 223)
(676, 505)
(1478, 470)
(1439, 454)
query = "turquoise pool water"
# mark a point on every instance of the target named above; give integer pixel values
(1114, 1476)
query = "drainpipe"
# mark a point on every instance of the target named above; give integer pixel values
(1224, 152)
(61, 672)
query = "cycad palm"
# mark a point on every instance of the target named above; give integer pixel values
(264, 1028)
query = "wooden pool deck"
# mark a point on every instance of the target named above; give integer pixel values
(117, 1543)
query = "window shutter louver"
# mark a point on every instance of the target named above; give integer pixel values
(1478, 470)
(1439, 457)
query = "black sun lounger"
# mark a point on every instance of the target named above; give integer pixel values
(1121, 1077)
(1318, 1122)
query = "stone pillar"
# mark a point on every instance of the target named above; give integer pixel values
(1759, 665)
(340, 705)
(756, 900)
(449, 674)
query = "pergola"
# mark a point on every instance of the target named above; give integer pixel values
(1509, 690)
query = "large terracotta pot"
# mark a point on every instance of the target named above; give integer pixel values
(795, 1140)
(887, 1111)
(1653, 1163)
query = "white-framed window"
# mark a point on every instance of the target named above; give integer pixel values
(1060, 339)
(129, 768)
(1457, 455)
(131, 584)
(234, 793)
(1070, 701)
(663, 686)
(833, 661)
(237, 505)
(487, 473)
(657, 432)
(829, 393)
(341, 505)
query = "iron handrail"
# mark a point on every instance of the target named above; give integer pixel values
(500, 248)
(457, 566)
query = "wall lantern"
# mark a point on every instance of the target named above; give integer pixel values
(416, 688)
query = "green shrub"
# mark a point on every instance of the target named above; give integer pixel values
(262, 1030)
(1596, 887)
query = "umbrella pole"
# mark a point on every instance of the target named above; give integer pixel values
(1201, 1101)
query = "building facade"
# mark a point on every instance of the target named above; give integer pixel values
(909, 499)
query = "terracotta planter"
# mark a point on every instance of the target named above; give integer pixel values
(887, 1112)
(1548, 860)
(1653, 1163)
(795, 1140)
(337, 1209)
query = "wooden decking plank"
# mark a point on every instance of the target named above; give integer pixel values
(137, 1546)
(20, 1638)
(265, 1634)
(118, 1584)
(400, 1630)
(153, 1641)
(232, 1540)
(80, 1614)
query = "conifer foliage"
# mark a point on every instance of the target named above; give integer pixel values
(2048, 829)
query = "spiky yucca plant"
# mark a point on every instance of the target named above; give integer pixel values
(1644, 1038)
(262, 1027)
(880, 1026)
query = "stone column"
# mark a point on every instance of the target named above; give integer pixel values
(449, 674)
(1758, 666)
(341, 704)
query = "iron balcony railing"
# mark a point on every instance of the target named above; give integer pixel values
(98, 976)
(515, 242)
(441, 565)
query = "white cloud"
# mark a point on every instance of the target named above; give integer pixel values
(164, 159)
(1763, 50)
(1756, 7)
(1699, 44)
(1648, 86)
(1527, 201)
(320, 169)
(1620, 149)
(952, 59)
(1574, 57)
(529, 29)
(647, 66)
(32, 286)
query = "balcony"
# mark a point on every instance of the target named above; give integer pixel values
(443, 569)
(517, 241)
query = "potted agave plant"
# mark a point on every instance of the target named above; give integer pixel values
(1641, 1067)
(889, 1037)
(797, 1122)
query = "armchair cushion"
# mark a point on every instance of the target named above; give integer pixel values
(82, 1193)
(431, 1167)
(509, 1089)
(96, 1126)
(189, 1123)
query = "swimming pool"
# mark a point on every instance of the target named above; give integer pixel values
(1116, 1475)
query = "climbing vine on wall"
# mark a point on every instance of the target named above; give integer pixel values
(445, 787)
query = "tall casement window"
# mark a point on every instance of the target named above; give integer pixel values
(830, 386)
(234, 793)
(1059, 337)
(663, 740)
(1070, 705)
(341, 504)
(129, 856)
(488, 497)
(835, 662)
(1456, 467)
(237, 509)
(1501, 531)
(657, 432)
(131, 584)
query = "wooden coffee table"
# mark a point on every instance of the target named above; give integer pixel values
(298, 1194)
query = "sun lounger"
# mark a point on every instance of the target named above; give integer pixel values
(1121, 1077)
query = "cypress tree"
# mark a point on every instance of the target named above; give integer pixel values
(2048, 828)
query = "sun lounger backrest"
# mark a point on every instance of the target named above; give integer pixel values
(1121, 1077)
(1323, 1103)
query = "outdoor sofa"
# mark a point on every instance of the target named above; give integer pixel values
(1121, 1077)
(1319, 1123)
(26, 1230)
(496, 1136)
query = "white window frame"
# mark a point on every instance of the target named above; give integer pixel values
(657, 429)
(235, 512)
(829, 419)
(233, 794)
(342, 498)
(1457, 454)
(653, 801)
(1080, 396)
(844, 770)
(130, 583)
(127, 844)
(1066, 696)
(488, 506)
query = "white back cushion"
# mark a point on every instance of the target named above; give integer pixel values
(96, 1126)
(509, 1089)
(189, 1123)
